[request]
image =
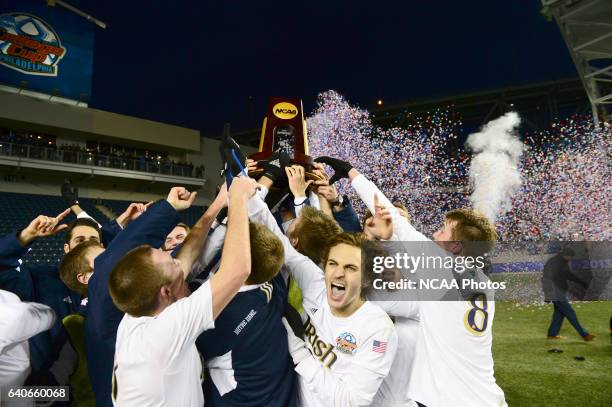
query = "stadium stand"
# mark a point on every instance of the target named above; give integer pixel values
(189, 216)
(31, 147)
(17, 210)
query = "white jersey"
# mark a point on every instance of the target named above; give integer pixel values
(453, 363)
(19, 321)
(156, 360)
(394, 389)
(350, 356)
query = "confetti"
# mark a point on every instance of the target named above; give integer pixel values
(565, 170)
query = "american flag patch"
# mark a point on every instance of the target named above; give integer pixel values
(379, 346)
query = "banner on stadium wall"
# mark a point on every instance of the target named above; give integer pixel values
(46, 49)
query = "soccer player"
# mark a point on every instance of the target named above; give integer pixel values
(246, 354)
(350, 342)
(311, 230)
(19, 321)
(42, 284)
(103, 317)
(77, 267)
(393, 391)
(156, 361)
(39, 284)
(176, 237)
(453, 364)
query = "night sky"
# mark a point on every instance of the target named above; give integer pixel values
(198, 64)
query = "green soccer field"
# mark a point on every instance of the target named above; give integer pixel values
(530, 376)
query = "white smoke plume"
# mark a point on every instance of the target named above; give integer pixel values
(494, 173)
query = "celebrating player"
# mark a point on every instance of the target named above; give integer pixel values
(349, 342)
(156, 361)
(453, 363)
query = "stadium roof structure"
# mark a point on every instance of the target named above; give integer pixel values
(586, 27)
(539, 104)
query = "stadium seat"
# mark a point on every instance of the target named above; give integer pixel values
(17, 210)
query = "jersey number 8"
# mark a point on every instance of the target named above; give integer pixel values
(477, 318)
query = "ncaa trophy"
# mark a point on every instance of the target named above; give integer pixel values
(284, 128)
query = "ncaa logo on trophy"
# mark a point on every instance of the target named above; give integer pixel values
(284, 128)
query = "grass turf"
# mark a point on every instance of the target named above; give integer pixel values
(530, 376)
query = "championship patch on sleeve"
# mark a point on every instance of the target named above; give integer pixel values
(379, 346)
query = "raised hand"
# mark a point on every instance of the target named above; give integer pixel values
(341, 168)
(242, 188)
(319, 169)
(251, 165)
(180, 198)
(379, 226)
(297, 182)
(326, 191)
(43, 226)
(132, 212)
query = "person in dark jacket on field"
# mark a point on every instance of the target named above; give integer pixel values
(555, 279)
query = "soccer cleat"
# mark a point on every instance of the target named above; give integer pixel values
(70, 193)
(588, 337)
(234, 160)
(555, 337)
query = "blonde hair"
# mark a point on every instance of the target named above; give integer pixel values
(267, 254)
(75, 263)
(314, 232)
(473, 229)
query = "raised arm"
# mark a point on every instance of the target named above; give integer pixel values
(151, 229)
(367, 190)
(402, 229)
(236, 256)
(211, 252)
(15, 245)
(194, 244)
(111, 229)
(154, 225)
(308, 276)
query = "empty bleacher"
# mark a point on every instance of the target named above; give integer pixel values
(18, 210)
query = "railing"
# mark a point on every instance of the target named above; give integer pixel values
(142, 164)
